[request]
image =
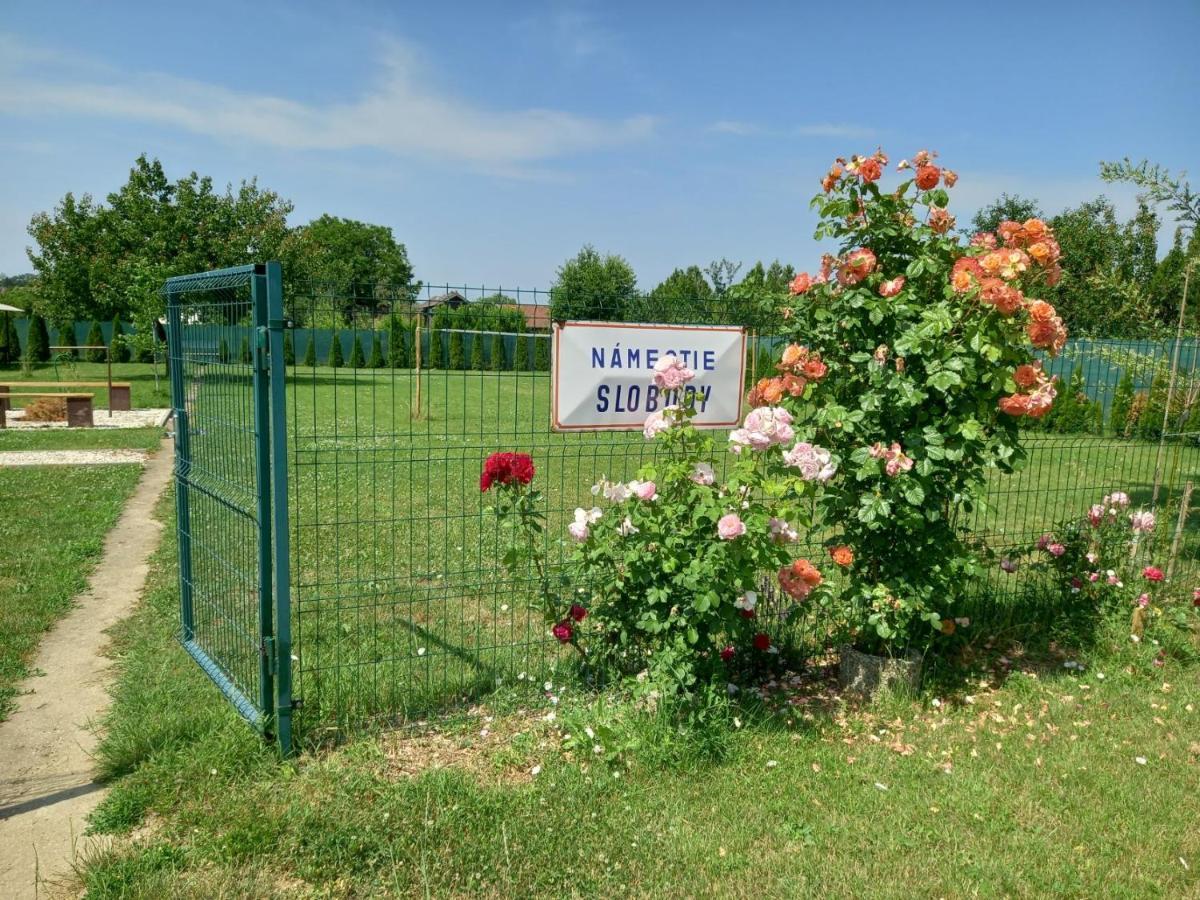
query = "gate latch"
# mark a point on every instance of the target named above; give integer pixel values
(267, 649)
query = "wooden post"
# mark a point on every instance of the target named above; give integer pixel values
(417, 349)
(1184, 504)
(108, 359)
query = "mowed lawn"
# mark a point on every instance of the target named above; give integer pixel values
(1032, 780)
(51, 534)
(144, 392)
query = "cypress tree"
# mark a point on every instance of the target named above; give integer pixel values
(37, 344)
(1122, 400)
(95, 338)
(66, 338)
(521, 352)
(497, 362)
(244, 354)
(310, 352)
(289, 349)
(117, 346)
(335, 360)
(223, 351)
(435, 350)
(458, 359)
(397, 351)
(356, 351)
(541, 352)
(9, 345)
(1149, 425)
(477, 351)
(376, 361)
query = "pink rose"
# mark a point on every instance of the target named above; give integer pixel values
(703, 474)
(772, 422)
(1153, 573)
(891, 288)
(814, 463)
(670, 374)
(801, 284)
(1093, 577)
(1096, 514)
(563, 631)
(782, 532)
(1008, 565)
(730, 526)
(644, 490)
(1056, 549)
(656, 424)
(1143, 601)
(1142, 521)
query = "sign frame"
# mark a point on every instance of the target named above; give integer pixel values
(558, 327)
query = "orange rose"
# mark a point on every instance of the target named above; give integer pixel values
(1008, 231)
(1006, 299)
(927, 177)
(940, 220)
(1028, 375)
(1041, 311)
(869, 170)
(793, 355)
(948, 626)
(793, 384)
(949, 178)
(814, 369)
(1015, 404)
(1035, 229)
(842, 555)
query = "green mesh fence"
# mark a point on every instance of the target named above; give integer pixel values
(398, 608)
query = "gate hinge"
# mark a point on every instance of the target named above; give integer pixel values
(268, 651)
(262, 349)
(281, 324)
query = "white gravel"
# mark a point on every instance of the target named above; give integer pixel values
(70, 457)
(132, 418)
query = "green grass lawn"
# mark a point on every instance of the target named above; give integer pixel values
(143, 393)
(51, 533)
(80, 438)
(1039, 781)
(399, 608)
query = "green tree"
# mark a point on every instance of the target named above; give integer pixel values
(66, 338)
(477, 351)
(289, 349)
(541, 352)
(245, 356)
(435, 350)
(591, 286)
(521, 351)
(335, 360)
(95, 338)
(223, 351)
(10, 347)
(458, 360)
(1149, 424)
(721, 273)
(356, 351)
(310, 352)
(496, 360)
(116, 342)
(1122, 400)
(96, 261)
(37, 347)
(1006, 208)
(397, 349)
(347, 263)
(376, 360)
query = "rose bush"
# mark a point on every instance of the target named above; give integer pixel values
(924, 347)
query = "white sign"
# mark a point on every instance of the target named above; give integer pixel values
(603, 373)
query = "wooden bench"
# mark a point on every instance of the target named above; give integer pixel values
(79, 407)
(118, 396)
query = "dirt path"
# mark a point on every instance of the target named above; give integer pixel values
(46, 785)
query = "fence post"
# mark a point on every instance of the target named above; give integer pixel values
(277, 325)
(183, 457)
(262, 468)
(417, 371)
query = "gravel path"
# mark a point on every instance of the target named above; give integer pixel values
(70, 457)
(46, 784)
(128, 418)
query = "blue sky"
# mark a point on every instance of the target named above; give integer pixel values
(496, 139)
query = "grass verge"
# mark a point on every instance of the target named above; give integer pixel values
(1022, 778)
(51, 535)
(81, 438)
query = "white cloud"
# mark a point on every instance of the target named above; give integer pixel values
(401, 114)
(728, 126)
(830, 130)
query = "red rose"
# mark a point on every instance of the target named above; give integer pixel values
(1152, 573)
(747, 613)
(578, 613)
(762, 642)
(869, 170)
(506, 468)
(927, 177)
(563, 631)
(727, 652)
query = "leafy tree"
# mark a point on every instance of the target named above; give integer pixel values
(477, 351)
(721, 273)
(357, 360)
(350, 264)
(310, 352)
(1159, 186)
(66, 338)
(521, 352)
(1149, 425)
(1122, 400)
(289, 349)
(496, 361)
(1008, 208)
(96, 260)
(541, 352)
(116, 342)
(37, 344)
(95, 338)
(435, 349)
(591, 286)
(684, 295)
(335, 361)
(458, 360)
(397, 350)
(1166, 285)
(376, 360)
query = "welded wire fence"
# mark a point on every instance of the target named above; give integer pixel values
(393, 401)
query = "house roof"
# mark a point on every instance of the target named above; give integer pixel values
(439, 299)
(536, 315)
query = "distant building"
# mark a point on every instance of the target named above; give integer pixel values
(429, 306)
(537, 317)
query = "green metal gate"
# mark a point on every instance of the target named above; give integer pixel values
(225, 351)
